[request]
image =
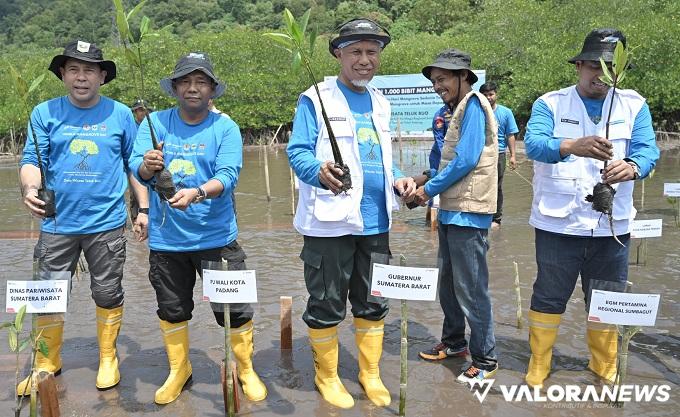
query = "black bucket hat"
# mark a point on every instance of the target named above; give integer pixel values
(83, 51)
(193, 61)
(600, 43)
(358, 30)
(452, 59)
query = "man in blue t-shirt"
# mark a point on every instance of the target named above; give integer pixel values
(507, 129)
(469, 156)
(344, 230)
(83, 141)
(203, 152)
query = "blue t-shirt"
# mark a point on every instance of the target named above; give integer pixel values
(506, 126)
(194, 154)
(468, 151)
(85, 153)
(302, 155)
(440, 124)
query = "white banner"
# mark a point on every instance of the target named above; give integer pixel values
(404, 283)
(646, 228)
(229, 287)
(671, 189)
(623, 308)
(38, 296)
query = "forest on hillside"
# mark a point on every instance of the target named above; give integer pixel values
(522, 44)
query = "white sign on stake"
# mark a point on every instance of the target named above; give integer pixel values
(404, 283)
(671, 189)
(646, 228)
(623, 308)
(48, 296)
(229, 287)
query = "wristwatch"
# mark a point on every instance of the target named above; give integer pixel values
(143, 210)
(200, 196)
(636, 168)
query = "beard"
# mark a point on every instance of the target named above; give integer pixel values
(360, 83)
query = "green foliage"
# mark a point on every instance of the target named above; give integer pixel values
(183, 166)
(526, 60)
(87, 146)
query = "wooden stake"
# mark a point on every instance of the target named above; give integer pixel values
(403, 378)
(286, 322)
(433, 219)
(49, 402)
(266, 173)
(519, 297)
(228, 386)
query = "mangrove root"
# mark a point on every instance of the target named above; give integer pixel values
(165, 187)
(346, 178)
(603, 202)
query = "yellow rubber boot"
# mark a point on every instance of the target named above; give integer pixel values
(325, 349)
(602, 341)
(176, 338)
(108, 327)
(242, 345)
(543, 329)
(369, 338)
(52, 328)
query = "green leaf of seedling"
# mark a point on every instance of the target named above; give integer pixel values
(297, 61)
(19, 319)
(303, 22)
(36, 83)
(288, 19)
(19, 82)
(5, 324)
(144, 27)
(135, 10)
(620, 58)
(606, 75)
(12, 339)
(620, 79)
(132, 57)
(24, 344)
(312, 40)
(281, 39)
(42, 347)
(651, 174)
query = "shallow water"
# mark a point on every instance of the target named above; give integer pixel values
(273, 246)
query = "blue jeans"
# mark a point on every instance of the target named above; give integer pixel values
(562, 258)
(464, 292)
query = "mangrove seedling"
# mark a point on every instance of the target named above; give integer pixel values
(301, 46)
(164, 185)
(17, 344)
(603, 193)
(24, 91)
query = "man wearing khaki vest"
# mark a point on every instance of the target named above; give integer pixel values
(467, 186)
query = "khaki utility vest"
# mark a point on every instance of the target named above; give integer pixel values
(477, 191)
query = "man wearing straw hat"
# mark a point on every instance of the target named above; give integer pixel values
(565, 138)
(343, 229)
(203, 151)
(84, 140)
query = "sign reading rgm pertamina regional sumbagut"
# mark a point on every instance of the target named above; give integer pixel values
(671, 189)
(404, 283)
(623, 308)
(49, 296)
(229, 287)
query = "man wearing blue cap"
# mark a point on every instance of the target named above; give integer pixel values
(342, 230)
(203, 152)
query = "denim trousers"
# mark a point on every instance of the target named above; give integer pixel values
(499, 198)
(464, 292)
(562, 258)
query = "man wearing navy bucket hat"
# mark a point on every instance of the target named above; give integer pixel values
(203, 152)
(565, 138)
(85, 140)
(342, 231)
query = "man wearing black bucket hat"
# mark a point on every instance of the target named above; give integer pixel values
(85, 141)
(565, 138)
(466, 184)
(345, 229)
(203, 152)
